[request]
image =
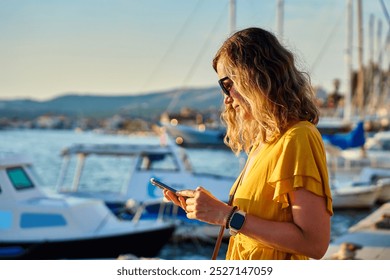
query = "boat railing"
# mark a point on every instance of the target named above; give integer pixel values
(142, 207)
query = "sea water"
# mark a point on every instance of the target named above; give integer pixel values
(44, 148)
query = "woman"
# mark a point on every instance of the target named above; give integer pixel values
(282, 203)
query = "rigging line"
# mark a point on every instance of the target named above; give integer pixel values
(326, 44)
(387, 42)
(385, 11)
(387, 16)
(205, 45)
(177, 37)
(197, 59)
(258, 17)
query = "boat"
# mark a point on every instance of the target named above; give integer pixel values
(167, 163)
(37, 223)
(366, 158)
(330, 126)
(380, 141)
(199, 136)
(378, 176)
(355, 196)
(202, 136)
(347, 140)
(360, 190)
(369, 239)
(384, 196)
(356, 150)
(356, 168)
(359, 169)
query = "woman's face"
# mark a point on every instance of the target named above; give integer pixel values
(235, 99)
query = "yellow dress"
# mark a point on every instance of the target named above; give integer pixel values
(296, 159)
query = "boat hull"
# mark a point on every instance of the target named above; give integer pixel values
(141, 244)
(384, 196)
(187, 136)
(359, 197)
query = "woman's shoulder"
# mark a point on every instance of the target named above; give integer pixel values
(302, 128)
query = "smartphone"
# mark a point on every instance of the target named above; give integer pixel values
(161, 185)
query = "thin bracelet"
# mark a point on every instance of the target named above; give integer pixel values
(229, 216)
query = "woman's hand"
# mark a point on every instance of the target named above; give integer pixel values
(200, 204)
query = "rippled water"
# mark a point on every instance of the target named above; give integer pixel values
(44, 147)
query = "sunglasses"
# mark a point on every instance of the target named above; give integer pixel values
(226, 85)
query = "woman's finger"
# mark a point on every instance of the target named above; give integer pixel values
(171, 197)
(182, 202)
(186, 193)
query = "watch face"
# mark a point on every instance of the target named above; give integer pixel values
(237, 221)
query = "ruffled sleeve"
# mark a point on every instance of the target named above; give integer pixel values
(302, 163)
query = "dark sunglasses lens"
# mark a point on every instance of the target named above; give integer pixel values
(223, 87)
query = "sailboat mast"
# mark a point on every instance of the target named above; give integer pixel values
(280, 18)
(348, 61)
(371, 39)
(232, 22)
(360, 86)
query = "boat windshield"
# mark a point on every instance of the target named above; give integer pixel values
(19, 178)
(157, 162)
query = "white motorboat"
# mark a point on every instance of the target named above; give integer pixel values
(168, 163)
(384, 196)
(366, 158)
(378, 176)
(350, 196)
(380, 141)
(363, 190)
(359, 175)
(38, 224)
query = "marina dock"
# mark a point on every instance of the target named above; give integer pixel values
(369, 239)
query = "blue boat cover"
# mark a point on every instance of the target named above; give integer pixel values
(353, 139)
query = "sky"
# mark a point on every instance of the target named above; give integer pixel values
(49, 48)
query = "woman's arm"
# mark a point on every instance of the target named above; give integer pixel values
(308, 234)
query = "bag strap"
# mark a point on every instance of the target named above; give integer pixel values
(222, 229)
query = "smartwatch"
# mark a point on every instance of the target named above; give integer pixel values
(236, 222)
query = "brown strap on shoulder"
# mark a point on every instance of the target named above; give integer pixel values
(222, 229)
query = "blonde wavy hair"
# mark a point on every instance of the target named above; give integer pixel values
(275, 92)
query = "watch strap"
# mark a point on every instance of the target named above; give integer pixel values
(230, 216)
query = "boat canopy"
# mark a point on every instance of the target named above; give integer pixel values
(114, 149)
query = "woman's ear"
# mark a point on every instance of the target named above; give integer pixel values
(228, 100)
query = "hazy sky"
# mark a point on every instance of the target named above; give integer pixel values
(52, 47)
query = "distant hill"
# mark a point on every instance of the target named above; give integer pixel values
(98, 106)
